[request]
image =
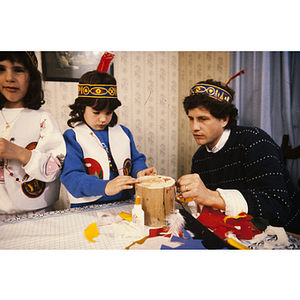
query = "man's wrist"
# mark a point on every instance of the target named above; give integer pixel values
(217, 201)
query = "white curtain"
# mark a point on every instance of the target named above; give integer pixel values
(268, 95)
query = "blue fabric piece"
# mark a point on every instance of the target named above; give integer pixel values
(188, 243)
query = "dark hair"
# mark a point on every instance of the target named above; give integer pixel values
(34, 97)
(218, 109)
(78, 107)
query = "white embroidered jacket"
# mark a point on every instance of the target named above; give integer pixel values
(96, 158)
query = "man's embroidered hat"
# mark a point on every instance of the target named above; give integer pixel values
(214, 91)
(100, 90)
(33, 58)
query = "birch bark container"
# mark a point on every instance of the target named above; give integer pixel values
(157, 195)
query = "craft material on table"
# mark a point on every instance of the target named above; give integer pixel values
(157, 194)
(110, 226)
(138, 215)
(64, 230)
(91, 232)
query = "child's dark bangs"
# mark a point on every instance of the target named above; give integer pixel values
(13, 57)
(102, 104)
(8, 56)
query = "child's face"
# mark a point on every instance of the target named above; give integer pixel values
(97, 120)
(14, 80)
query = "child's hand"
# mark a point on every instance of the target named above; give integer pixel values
(119, 184)
(149, 171)
(9, 150)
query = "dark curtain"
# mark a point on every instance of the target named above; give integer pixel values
(268, 95)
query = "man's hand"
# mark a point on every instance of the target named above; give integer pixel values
(193, 187)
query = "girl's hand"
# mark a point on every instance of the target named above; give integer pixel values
(9, 150)
(146, 172)
(119, 184)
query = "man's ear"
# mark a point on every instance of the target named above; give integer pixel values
(225, 121)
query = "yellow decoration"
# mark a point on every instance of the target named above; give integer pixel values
(181, 199)
(125, 216)
(140, 242)
(240, 215)
(91, 232)
(237, 245)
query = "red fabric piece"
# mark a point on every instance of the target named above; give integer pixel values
(221, 232)
(210, 217)
(156, 231)
(160, 231)
(105, 61)
(221, 225)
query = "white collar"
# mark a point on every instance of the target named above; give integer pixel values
(223, 139)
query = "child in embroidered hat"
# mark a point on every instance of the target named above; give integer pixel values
(236, 168)
(98, 146)
(32, 148)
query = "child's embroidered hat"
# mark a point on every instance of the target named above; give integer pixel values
(97, 90)
(100, 90)
(214, 91)
(33, 58)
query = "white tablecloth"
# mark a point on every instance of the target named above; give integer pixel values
(64, 230)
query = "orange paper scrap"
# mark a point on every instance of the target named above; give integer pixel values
(91, 232)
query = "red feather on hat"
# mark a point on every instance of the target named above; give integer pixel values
(105, 62)
(236, 75)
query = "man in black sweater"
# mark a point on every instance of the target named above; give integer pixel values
(236, 168)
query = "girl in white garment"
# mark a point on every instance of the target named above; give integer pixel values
(102, 163)
(32, 148)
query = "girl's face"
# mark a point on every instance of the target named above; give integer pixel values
(97, 120)
(14, 80)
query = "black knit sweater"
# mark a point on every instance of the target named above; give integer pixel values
(252, 163)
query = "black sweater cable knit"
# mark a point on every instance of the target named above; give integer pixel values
(252, 163)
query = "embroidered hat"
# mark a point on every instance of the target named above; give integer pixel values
(33, 58)
(214, 91)
(97, 90)
(100, 90)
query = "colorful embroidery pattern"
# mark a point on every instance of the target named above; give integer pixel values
(92, 167)
(127, 166)
(33, 188)
(96, 90)
(212, 91)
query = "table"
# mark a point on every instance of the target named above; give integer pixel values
(64, 230)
